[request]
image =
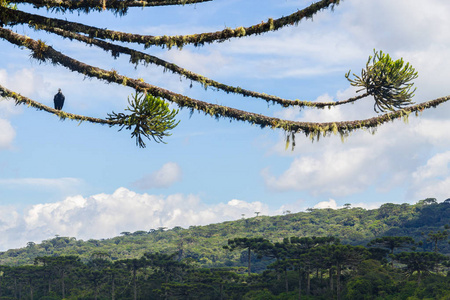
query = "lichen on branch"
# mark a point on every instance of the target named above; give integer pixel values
(117, 6)
(138, 56)
(179, 41)
(311, 129)
(390, 82)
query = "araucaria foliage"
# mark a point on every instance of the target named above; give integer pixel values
(388, 81)
(150, 117)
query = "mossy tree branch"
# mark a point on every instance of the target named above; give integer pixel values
(118, 6)
(179, 40)
(387, 80)
(312, 129)
(19, 99)
(149, 117)
(138, 56)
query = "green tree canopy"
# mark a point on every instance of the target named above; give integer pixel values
(421, 262)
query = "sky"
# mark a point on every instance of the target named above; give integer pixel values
(91, 181)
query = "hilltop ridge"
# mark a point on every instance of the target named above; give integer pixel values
(204, 244)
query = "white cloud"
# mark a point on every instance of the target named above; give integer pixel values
(326, 204)
(383, 161)
(372, 205)
(340, 173)
(432, 180)
(399, 24)
(110, 214)
(333, 205)
(7, 134)
(162, 178)
(433, 129)
(24, 81)
(436, 166)
(438, 189)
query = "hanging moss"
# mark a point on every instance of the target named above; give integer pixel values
(166, 41)
(136, 56)
(313, 130)
(119, 7)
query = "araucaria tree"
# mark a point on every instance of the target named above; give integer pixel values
(388, 81)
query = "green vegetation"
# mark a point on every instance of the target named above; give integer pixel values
(150, 116)
(387, 80)
(398, 251)
(204, 244)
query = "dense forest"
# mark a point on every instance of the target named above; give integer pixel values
(398, 251)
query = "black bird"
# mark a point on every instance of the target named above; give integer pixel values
(59, 100)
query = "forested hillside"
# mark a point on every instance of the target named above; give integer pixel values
(398, 252)
(204, 244)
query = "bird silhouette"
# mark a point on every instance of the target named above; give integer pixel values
(59, 100)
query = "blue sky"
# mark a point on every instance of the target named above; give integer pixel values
(90, 181)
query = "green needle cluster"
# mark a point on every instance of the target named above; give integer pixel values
(150, 117)
(388, 81)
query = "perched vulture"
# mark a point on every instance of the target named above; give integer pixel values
(59, 100)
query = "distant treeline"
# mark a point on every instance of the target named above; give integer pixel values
(204, 244)
(389, 267)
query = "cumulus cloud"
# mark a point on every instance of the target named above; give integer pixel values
(436, 166)
(395, 156)
(333, 172)
(110, 214)
(162, 178)
(432, 129)
(432, 180)
(331, 203)
(327, 204)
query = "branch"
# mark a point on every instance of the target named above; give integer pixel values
(16, 16)
(312, 129)
(137, 56)
(119, 6)
(149, 117)
(19, 99)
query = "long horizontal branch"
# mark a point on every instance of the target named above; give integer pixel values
(137, 56)
(19, 99)
(44, 52)
(17, 16)
(116, 5)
